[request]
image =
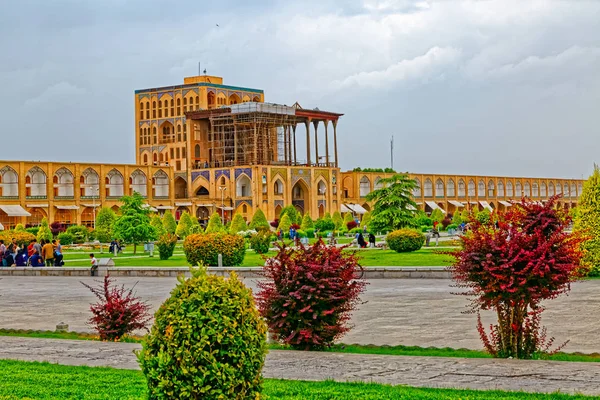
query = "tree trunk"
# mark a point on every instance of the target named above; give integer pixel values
(134, 247)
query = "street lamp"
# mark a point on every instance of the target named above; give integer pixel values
(222, 189)
(94, 203)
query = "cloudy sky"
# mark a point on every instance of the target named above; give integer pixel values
(505, 87)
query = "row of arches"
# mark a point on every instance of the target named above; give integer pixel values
(63, 183)
(168, 107)
(519, 189)
(169, 133)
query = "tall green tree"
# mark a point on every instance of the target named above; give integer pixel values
(44, 233)
(184, 225)
(169, 223)
(366, 219)
(133, 225)
(157, 223)
(456, 219)
(105, 219)
(285, 223)
(348, 217)
(337, 220)
(292, 213)
(587, 221)
(259, 220)
(307, 222)
(238, 224)
(437, 215)
(195, 226)
(393, 204)
(215, 224)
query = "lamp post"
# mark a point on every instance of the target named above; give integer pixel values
(222, 189)
(94, 204)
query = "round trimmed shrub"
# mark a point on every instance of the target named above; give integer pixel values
(261, 241)
(405, 240)
(166, 245)
(205, 249)
(207, 342)
(65, 238)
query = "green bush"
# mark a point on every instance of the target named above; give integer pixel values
(451, 226)
(405, 240)
(207, 342)
(23, 238)
(166, 245)
(323, 234)
(325, 224)
(33, 230)
(425, 229)
(261, 241)
(205, 249)
(215, 224)
(354, 231)
(301, 233)
(259, 220)
(65, 238)
(44, 232)
(310, 232)
(80, 233)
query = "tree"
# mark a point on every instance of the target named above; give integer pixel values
(437, 215)
(393, 207)
(195, 226)
(464, 215)
(19, 228)
(169, 223)
(587, 220)
(259, 220)
(238, 224)
(44, 233)
(284, 223)
(511, 269)
(157, 223)
(292, 213)
(347, 218)
(366, 219)
(456, 218)
(133, 225)
(215, 224)
(105, 220)
(338, 220)
(184, 226)
(307, 222)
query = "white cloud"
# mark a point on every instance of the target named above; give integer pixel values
(58, 92)
(423, 67)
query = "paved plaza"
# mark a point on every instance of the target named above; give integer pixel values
(421, 312)
(437, 372)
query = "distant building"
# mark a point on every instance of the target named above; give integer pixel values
(205, 147)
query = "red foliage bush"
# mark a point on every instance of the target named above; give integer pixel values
(446, 221)
(309, 294)
(528, 258)
(57, 227)
(274, 223)
(351, 225)
(118, 311)
(295, 226)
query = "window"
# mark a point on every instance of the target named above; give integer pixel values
(172, 108)
(91, 183)
(527, 189)
(551, 189)
(439, 188)
(197, 151)
(178, 106)
(365, 186)
(160, 109)
(417, 189)
(9, 182)
(179, 133)
(242, 186)
(543, 190)
(472, 188)
(509, 189)
(172, 153)
(378, 184)
(491, 188)
(500, 189)
(278, 187)
(184, 152)
(244, 209)
(461, 188)
(145, 159)
(535, 190)
(184, 133)
(63, 183)
(481, 189)
(114, 184)
(142, 111)
(178, 153)
(185, 104)
(161, 184)
(518, 190)
(450, 189)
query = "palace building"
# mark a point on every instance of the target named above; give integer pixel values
(206, 147)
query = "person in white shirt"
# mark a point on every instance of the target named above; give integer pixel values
(94, 262)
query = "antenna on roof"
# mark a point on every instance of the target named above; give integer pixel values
(392, 152)
(199, 69)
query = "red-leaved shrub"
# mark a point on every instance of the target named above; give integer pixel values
(446, 221)
(295, 226)
(351, 225)
(118, 311)
(309, 294)
(274, 223)
(511, 268)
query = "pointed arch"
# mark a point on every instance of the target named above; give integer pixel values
(417, 189)
(321, 187)
(462, 189)
(364, 186)
(139, 183)
(491, 188)
(509, 189)
(91, 183)
(518, 190)
(9, 182)
(160, 184)
(471, 188)
(428, 188)
(543, 190)
(301, 196)
(278, 187)
(481, 188)
(439, 188)
(63, 183)
(500, 189)
(114, 183)
(535, 189)
(234, 99)
(35, 182)
(451, 188)
(551, 189)
(243, 186)
(180, 186)
(579, 189)
(527, 189)
(377, 184)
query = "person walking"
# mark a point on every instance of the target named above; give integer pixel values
(371, 240)
(48, 254)
(94, 263)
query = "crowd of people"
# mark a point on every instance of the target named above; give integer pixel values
(36, 254)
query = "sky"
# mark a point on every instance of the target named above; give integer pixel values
(481, 87)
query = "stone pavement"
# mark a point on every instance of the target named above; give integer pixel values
(435, 372)
(421, 312)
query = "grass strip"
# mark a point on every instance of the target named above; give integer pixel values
(398, 350)
(41, 381)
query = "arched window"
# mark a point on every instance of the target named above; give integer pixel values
(197, 101)
(573, 191)
(243, 186)
(114, 184)
(579, 189)
(141, 110)
(172, 108)
(91, 183)
(527, 189)
(145, 159)
(161, 184)
(518, 190)
(244, 209)
(417, 189)
(491, 188)
(471, 188)
(278, 187)
(378, 184)
(551, 189)
(364, 186)
(202, 191)
(36, 185)
(160, 109)
(451, 188)
(461, 188)
(535, 190)
(147, 110)
(565, 190)
(428, 188)
(500, 189)
(184, 133)
(197, 151)
(63, 183)
(179, 133)
(321, 188)
(543, 190)
(509, 189)
(9, 182)
(439, 188)
(153, 109)
(481, 188)
(178, 106)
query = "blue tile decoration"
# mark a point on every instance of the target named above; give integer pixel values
(322, 203)
(299, 203)
(279, 203)
(239, 171)
(205, 174)
(240, 202)
(221, 172)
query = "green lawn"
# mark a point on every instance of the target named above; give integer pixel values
(27, 380)
(369, 257)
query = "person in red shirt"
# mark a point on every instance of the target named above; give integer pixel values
(30, 248)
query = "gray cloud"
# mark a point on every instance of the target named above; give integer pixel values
(501, 87)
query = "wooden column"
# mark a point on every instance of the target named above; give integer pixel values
(335, 143)
(255, 161)
(316, 124)
(235, 146)
(326, 144)
(307, 123)
(285, 144)
(294, 132)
